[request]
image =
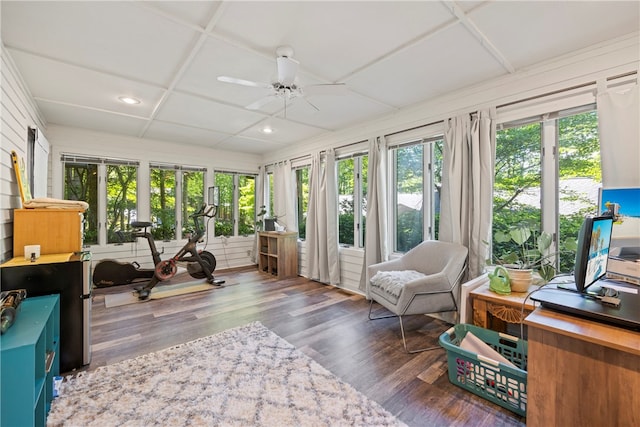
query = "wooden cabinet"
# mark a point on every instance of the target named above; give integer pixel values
(581, 372)
(29, 361)
(278, 253)
(57, 231)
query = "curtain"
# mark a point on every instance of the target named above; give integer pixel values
(322, 220)
(375, 239)
(260, 190)
(284, 196)
(467, 185)
(619, 131)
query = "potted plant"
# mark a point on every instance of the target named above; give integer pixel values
(531, 254)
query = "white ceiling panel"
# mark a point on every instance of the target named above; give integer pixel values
(323, 33)
(91, 119)
(464, 62)
(186, 134)
(551, 29)
(284, 131)
(336, 112)
(217, 58)
(198, 13)
(205, 114)
(119, 37)
(248, 145)
(70, 84)
(77, 57)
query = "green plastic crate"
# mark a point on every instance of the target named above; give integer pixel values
(494, 381)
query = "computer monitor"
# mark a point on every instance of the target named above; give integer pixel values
(592, 253)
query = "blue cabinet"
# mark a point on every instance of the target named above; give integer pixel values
(29, 359)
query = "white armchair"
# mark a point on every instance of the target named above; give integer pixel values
(424, 280)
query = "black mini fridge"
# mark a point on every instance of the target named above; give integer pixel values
(68, 275)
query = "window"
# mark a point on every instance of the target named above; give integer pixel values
(547, 176)
(122, 185)
(237, 209)
(163, 202)
(246, 204)
(110, 188)
(352, 200)
(579, 176)
(192, 196)
(417, 177)
(81, 183)
(516, 189)
(302, 198)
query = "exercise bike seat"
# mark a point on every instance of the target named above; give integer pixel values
(141, 224)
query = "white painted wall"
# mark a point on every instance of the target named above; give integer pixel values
(19, 112)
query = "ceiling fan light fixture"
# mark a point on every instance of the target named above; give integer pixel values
(129, 100)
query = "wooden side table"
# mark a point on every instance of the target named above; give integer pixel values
(507, 308)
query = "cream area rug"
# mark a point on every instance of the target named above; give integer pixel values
(246, 376)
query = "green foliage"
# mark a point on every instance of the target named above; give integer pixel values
(121, 199)
(163, 203)
(247, 205)
(81, 183)
(409, 230)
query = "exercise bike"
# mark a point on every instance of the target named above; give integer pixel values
(200, 264)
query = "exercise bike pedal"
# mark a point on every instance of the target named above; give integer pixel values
(143, 294)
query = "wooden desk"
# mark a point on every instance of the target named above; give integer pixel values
(581, 372)
(507, 308)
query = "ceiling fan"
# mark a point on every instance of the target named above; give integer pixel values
(286, 86)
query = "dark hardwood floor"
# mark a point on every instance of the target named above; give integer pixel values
(327, 324)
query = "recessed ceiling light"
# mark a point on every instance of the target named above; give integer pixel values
(129, 100)
(267, 129)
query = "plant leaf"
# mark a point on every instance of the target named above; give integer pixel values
(544, 241)
(520, 235)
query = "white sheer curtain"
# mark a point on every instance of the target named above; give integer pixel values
(618, 118)
(260, 190)
(284, 203)
(467, 185)
(375, 247)
(322, 220)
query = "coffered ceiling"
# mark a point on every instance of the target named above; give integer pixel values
(78, 58)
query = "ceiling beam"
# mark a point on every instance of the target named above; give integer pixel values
(479, 35)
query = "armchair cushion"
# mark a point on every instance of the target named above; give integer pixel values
(392, 282)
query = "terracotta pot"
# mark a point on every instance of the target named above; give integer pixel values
(520, 279)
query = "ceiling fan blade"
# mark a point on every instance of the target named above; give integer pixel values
(333, 89)
(310, 103)
(287, 70)
(243, 82)
(261, 102)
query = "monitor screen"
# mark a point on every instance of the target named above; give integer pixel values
(593, 251)
(626, 228)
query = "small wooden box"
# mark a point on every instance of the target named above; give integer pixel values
(55, 230)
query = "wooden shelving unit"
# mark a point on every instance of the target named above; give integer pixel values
(278, 253)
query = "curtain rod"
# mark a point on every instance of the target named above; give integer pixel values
(345, 146)
(413, 128)
(580, 86)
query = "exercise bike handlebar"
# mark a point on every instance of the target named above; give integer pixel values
(205, 211)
